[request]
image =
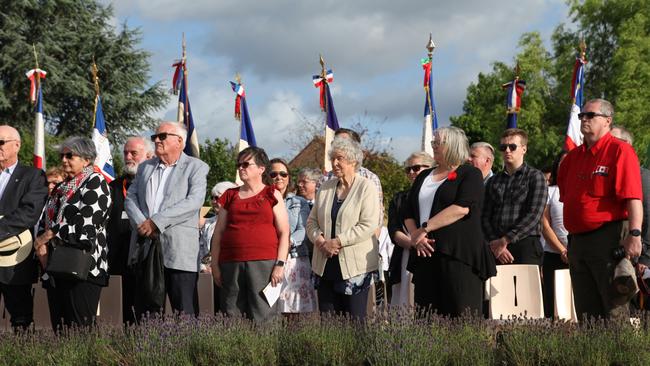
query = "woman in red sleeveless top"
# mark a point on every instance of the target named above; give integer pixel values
(251, 240)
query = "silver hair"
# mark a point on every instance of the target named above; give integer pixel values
(81, 146)
(424, 156)
(350, 149)
(148, 145)
(221, 187)
(606, 107)
(310, 173)
(485, 145)
(180, 128)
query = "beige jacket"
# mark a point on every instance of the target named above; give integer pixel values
(356, 223)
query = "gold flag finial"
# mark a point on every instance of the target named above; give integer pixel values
(322, 66)
(238, 78)
(430, 45)
(35, 55)
(583, 49)
(517, 70)
(95, 72)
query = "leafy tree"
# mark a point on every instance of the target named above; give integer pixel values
(221, 156)
(68, 34)
(389, 171)
(484, 113)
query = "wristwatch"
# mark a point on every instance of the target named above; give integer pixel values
(635, 232)
(279, 263)
(424, 226)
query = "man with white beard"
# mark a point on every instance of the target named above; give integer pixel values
(118, 229)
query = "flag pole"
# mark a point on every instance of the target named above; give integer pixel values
(329, 135)
(238, 180)
(38, 75)
(427, 128)
(95, 71)
(185, 116)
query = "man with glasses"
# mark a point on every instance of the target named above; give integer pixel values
(118, 229)
(23, 191)
(600, 186)
(307, 182)
(163, 204)
(482, 157)
(514, 202)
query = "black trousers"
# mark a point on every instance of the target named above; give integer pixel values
(128, 298)
(73, 302)
(447, 286)
(552, 262)
(592, 268)
(181, 288)
(19, 302)
(528, 250)
(330, 301)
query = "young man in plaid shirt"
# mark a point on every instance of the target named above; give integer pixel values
(514, 203)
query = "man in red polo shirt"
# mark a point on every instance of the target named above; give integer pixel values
(600, 185)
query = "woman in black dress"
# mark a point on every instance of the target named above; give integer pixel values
(443, 215)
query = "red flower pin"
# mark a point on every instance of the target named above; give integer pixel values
(452, 176)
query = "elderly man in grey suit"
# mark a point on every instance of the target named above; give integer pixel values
(163, 204)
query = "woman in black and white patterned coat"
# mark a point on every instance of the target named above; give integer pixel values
(75, 215)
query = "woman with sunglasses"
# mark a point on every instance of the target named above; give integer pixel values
(75, 216)
(251, 240)
(443, 216)
(297, 294)
(398, 277)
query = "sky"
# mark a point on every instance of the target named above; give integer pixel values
(374, 48)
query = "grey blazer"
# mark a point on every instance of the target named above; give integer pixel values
(178, 218)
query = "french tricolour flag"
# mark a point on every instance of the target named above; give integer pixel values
(104, 160)
(430, 123)
(39, 132)
(573, 135)
(185, 117)
(246, 133)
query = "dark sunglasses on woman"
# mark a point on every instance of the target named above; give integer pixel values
(415, 168)
(282, 174)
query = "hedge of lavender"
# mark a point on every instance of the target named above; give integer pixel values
(393, 339)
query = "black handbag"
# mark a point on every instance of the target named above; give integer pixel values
(69, 263)
(150, 281)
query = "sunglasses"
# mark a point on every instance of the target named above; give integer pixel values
(414, 168)
(244, 165)
(162, 136)
(67, 155)
(214, 198)
(504, 147)
(590, 115)
(275, 174)
(2, 142)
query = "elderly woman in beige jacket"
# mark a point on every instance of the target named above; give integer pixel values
(341, 225)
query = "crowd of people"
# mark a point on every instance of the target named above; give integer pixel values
(318, 239)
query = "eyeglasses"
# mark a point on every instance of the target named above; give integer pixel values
(2, 142)
(244, 164)
(590, 115)
(435, 143)
(275, 174)
(504, 147)
(67, 155)
(414, 168)
(162, 136)
(214, 198)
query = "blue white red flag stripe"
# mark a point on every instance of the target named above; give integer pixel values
(185, 118)
(39, 131)
(430, 123)
(104, 160)
(33, 75)
(513, 102)
(247, 134)
(573, 135)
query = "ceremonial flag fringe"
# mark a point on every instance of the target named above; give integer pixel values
(430, 123)
(513, 102)
(185, 117)
(34, 76)
(574, 137)
(104, 160)
(39, 132)
(246, 133)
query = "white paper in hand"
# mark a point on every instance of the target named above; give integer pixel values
(272, 294)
